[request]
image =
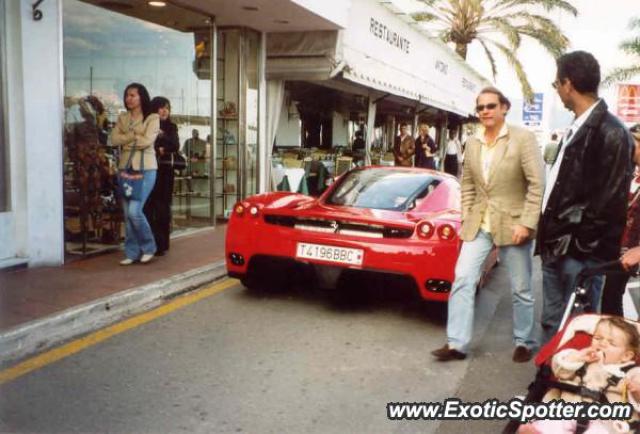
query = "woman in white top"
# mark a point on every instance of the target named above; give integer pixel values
(454, 152)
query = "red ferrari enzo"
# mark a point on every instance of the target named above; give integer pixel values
(395, 221)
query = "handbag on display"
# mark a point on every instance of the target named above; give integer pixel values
(178, 162)
(129, 180)
(228, 110)
(229, 163)
(228, 138)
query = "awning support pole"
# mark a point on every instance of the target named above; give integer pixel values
(371, 123)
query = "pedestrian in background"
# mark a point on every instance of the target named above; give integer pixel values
(502, 188)
(358, 143)
(454, 154)
(615, 284)
(158, 207)
(426, 148)
(584, 207)
(403, 147)
(135, 132)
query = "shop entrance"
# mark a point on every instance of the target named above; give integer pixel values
(108, 45)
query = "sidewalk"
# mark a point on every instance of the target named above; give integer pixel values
(89, 293)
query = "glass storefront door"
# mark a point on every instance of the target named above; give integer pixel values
(4, 143)
(237, 117)
(251, 83)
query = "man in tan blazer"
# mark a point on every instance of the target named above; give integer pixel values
(502, 187)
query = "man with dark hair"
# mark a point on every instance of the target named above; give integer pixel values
(584, 205)
(404, 147)
(502, 187)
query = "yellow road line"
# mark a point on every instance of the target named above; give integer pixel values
(78, 345)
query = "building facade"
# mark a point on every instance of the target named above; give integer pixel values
(235, 75)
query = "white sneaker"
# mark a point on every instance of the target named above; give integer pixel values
(146, 258)
(126, 261)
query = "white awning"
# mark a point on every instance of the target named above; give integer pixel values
(305, 56)
(380, 50)
(388, 51)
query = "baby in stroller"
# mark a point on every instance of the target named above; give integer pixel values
(605, 371)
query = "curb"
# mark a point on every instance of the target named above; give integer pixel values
(44, 333)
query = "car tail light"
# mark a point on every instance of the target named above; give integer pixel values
(254, 211)
(436, 285)
(425, 229)
(446, 232)
(239, 209)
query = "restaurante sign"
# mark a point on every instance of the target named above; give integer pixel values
(393, 38)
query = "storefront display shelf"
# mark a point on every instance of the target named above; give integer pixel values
(192, 194)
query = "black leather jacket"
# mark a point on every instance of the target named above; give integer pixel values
(586, 212)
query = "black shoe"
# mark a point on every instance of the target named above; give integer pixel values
(522, 354)
(161, 252)
(446, 354)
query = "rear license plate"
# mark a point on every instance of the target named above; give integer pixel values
(340, 255)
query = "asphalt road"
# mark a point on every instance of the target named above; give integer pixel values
(290, 362)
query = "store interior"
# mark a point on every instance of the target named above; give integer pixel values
(326, 122)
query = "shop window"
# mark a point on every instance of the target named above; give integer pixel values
(4, 143)
(103, 52)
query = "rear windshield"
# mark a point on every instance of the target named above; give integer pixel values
(388, 189)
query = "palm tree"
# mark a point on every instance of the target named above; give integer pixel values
(631, 47)
(497, 25)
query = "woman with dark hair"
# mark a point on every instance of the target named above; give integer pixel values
(135, 133)
(158, 207)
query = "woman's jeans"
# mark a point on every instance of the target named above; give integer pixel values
(139, 237)
(517, 260)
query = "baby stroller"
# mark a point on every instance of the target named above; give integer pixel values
(575, 332)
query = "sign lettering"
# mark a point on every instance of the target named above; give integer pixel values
(391, 37)
(442, 67)
(629, 102)
(532, 112)
(468, 85)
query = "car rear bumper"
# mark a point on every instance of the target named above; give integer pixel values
(430, 263)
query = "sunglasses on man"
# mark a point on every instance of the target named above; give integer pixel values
(490, 106)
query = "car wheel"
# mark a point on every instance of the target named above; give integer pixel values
(267, 280)
(248, 283)
(350, 291)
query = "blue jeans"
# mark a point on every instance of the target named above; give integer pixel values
(517, 260)
(558, 282)
(138, 236)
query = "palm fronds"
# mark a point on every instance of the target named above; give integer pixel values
(621, 74)
(500, 24)
(632, 48)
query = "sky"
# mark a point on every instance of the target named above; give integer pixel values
(104, 51)
(599, 28)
